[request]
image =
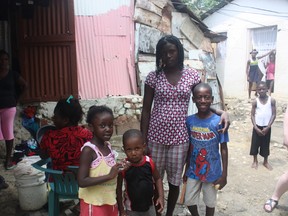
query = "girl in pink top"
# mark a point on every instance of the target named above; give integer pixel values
(97, 175)
(270, 73)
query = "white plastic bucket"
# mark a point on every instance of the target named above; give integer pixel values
(32, 190)
(32, 197)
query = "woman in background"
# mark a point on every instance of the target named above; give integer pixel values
(12, 86)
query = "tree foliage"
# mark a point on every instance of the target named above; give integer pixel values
(198, 7)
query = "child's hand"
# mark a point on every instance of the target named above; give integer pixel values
(160, 204)
(125, 164)
(220, 183)
(265, 130)
(114, 170)
(259, 132)
(184, 178)
(123, 213)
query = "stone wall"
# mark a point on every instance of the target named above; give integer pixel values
(126, 109)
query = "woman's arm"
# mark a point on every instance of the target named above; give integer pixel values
(224, 119)
(146, 110)
(247, 70)
(262, 56)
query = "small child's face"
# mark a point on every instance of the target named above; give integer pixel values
(262, 90)
(272, 58)
(102, 126)
(203, 99)
(134, 149)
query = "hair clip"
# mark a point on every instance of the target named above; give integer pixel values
(69, 98)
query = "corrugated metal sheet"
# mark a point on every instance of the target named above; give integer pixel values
(47, 51)
(105, 48)
(98, 7)
(49, 68)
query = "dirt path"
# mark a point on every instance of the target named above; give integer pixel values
(247, 188)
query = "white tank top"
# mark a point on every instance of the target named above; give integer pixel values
(263, 112)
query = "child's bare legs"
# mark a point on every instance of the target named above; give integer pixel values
(194, 210)
(255, 162)
(249, 90)
(172, 199)
(266, 164)
(270, 87)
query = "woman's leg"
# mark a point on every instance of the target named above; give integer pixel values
(176, 158)
(7, 127)
(281, 187)
(172, 199)
(9, 149)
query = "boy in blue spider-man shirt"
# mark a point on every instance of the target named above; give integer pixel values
(206, 169)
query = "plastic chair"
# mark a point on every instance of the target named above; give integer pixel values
(64, 185)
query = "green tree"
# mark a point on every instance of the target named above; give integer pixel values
(198, 7)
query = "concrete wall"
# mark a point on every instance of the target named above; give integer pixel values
(236, 19)
(126, 109)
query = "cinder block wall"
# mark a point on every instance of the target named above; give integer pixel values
(126, 109)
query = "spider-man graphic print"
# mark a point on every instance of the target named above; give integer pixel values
(205, 160)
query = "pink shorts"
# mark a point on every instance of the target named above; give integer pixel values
(92, 210)
(7, 116)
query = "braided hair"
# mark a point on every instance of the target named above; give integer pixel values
(71, 110)
(159, 47)
(94, 110)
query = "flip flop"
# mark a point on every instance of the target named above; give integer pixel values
(272, 203)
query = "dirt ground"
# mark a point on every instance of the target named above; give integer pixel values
(247, 188)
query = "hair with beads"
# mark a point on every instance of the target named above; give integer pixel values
(72, 110)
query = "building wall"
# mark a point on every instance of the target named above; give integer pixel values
(126, 110)
(105, 48)
(237, 21)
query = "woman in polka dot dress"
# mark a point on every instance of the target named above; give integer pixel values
(169, 87)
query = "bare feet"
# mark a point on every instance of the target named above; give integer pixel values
(268, 166)
(254, 165)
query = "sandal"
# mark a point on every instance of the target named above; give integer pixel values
(272, 204)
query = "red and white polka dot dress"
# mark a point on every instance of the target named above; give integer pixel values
(167, 122)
